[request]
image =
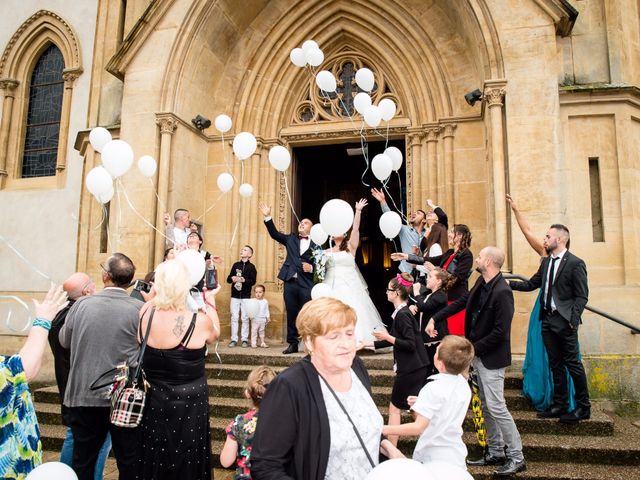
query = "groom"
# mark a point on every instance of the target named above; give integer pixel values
(296, 271)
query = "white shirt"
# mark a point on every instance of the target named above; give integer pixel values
(556, 267)
(263, 308)
(444, 401)
(180, 235)
(304, 245)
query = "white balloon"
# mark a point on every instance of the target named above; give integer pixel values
(326, 81)
(52, 470)
(372, 116)
(106, 197)
(364, 79)
(361, 101)
(381, 166)
(318, 235)
(309, 45)
(320, 290)
(117, 157)
(225, 182)
(194, 261)
(223, 123)
(395, 155)
(147, 165)
(245, 190)
(336, 217)
(99, 137)
(252, 307)
(99, 181)
(314, 57)
(279, 158)
(446, 471)
(244, 145)
(387, 109)
(390, 224)
(298, 57)
(402, 468)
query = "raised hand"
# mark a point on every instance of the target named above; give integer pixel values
(54, 301)
(264, 209)
(378, 195)
(430, 204)
(512, 203)
(167, 218)
(415, 250)
(397, 257)
(360, 204)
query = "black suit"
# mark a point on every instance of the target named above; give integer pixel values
(570, 292)
(297, 283)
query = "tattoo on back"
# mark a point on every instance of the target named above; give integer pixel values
(178, 330)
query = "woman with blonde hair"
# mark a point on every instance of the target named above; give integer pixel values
(176, 441)
(317, 419)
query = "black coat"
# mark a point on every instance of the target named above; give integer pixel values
(293, 262)
(429, 307)
(293, 436)
(247, 270)
(460, 267)
(409, 354)
(570, 288)
(491, 334)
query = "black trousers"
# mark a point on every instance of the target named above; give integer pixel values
(296, 294)
(89, 426)
(561, 343)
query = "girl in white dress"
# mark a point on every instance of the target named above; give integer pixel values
(346, 281)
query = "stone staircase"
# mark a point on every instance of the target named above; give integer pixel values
(604, 447)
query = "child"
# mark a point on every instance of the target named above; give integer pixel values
(441, 407)
(242, 278)
(237, 447)
(261, 319)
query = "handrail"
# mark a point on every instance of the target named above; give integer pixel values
(634, 330)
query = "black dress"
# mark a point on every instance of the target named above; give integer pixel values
(176, 439)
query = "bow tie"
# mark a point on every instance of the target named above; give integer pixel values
(303, 237)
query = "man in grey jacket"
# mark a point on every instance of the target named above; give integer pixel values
(101, 332)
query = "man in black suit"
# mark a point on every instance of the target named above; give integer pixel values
(296, 271)
(489, 312)
(563, 279)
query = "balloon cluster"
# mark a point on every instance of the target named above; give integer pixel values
(117, 158)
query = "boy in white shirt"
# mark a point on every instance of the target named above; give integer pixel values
(259, 322)
(440, 408)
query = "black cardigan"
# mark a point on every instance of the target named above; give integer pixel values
(429, 307)
(460, 267)
(293, 438)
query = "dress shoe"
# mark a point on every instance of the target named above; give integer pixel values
(486, 460)
(553, 412)
(291, 349)
(511, 467)
(575, 416)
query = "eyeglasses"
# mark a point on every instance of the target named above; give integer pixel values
(105, 270)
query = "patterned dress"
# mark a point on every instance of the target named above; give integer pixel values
(20, 447)
(241, 429)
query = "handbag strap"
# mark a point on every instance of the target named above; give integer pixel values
(355, 429)
(93, 386)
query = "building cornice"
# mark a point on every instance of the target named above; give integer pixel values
(562, 13)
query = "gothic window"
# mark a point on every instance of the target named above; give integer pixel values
(43, 116)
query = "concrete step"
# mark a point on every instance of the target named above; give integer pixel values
(564, 471)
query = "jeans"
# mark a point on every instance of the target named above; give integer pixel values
(66, 455)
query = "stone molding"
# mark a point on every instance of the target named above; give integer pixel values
(494, 92)
(448, 129)
(168, 123)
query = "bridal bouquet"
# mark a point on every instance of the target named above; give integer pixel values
(320, 262)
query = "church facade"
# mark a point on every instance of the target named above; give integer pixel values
(557, 126)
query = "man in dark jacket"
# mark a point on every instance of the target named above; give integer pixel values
(489, 312)
(242, 278)
(563, 279)
(296, 271)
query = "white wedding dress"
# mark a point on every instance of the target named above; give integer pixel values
(348, 286)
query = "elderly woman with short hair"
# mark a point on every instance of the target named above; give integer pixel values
(303, 432)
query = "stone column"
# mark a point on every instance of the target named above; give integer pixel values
(167, 125)
(494, 92)
(69, 77)
(449, 201)
(432, 162)
(414, 184)
(8, 85)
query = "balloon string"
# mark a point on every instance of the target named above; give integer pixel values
(235, 228)
(126, 196)
(395, 246)
(8, 320)
(155, 191)
(386, 143)
(365, 153)
(25, 260)
(286, 187)
(384, 186)
(224, 156)
(400, 199)
(105, 213)
(211, 206)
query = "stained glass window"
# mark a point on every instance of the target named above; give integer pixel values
(43, 117)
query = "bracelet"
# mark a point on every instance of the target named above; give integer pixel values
(42, 322)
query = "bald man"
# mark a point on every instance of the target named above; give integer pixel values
(77, 285)
(487, 325)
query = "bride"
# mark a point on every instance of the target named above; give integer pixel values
(346, 281)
